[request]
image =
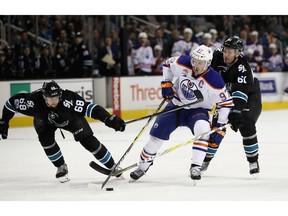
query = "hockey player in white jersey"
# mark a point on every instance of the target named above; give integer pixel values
(190, 73)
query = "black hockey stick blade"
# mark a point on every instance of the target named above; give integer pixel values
(99, 168)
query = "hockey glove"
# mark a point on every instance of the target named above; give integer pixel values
(4, 129)
(236, 119)
(167, 90)
(114, 122)
(217, 137)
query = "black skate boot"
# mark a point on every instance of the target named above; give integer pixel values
(62, 173)
(204, 166)
(135, 175)
(118, 169)
(138, 173)
(195, 172)
(254, 169)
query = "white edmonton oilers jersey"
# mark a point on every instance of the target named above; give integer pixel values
(210, 83)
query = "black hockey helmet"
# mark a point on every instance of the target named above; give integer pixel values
(234, 43)
(51, 89)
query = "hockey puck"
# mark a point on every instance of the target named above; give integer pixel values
(109, 189)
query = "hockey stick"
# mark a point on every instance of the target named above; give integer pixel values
(198, 95)
(171, 149)
(105, 171)
(132, 144)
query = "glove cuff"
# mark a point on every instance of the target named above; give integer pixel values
(166, 84)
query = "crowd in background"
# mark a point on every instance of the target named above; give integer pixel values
(67, 54)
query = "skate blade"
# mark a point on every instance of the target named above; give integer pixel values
(132, 180)
(255, 176)
(64, 179)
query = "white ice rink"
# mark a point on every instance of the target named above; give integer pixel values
(27, 175)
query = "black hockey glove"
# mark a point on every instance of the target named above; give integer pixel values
(167, 90)
(4, 129)
(114, 122)
(236, 119)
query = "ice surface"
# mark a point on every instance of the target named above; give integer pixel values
(27, 175)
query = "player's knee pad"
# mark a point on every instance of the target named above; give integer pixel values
(39, 125)
(80, 129)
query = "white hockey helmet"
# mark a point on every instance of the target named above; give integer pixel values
(202, 53)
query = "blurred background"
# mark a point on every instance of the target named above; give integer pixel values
(67, 46)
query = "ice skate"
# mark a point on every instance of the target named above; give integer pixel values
(204, 166)
(195, 173)
(62, 173)
(116, 171)
(135, 175)
(254, 169)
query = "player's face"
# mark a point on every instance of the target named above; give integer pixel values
(198, 66)
(229, 55)
(52, 102)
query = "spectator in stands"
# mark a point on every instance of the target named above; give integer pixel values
(57, 28)
(255, 45)
(44, 30)
(70, 30)
(132, 43)
(108, 59)
(215, 42)
(81, 59)
(61, 62)
(184, 46)
(144, 58)
(244, 37)
(44, 63)
(97, 44)
(6, 68)
(24, 41)
(207, 41)
(114, 34)
(25, 65)
(254, 65)
(175, 36)
(275, 59)
(158, 60)
(160, 40)
(63, 40)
